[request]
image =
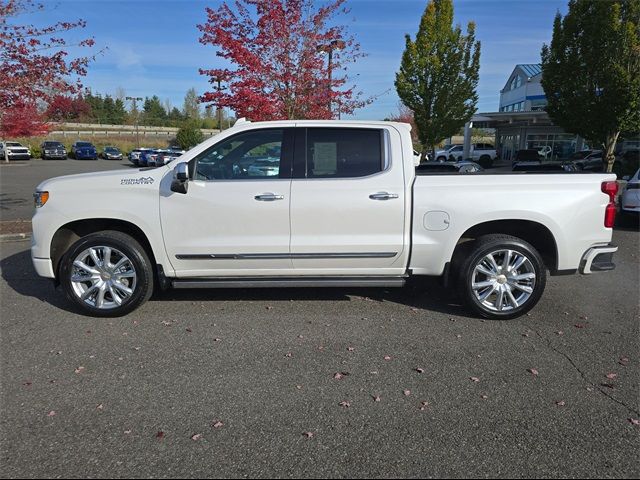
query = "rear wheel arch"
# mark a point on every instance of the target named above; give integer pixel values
(532, 232)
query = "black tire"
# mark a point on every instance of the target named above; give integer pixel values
(485, 161)
(475, 252)
(134, 252)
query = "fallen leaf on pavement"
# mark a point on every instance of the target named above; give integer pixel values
(345, 404)
(406, 393)
(350, 349)
(160, 435)
(196, 437)
(100, 407)
(419, 370)
(634, 421)
(79, 370)
(308, 434)
(579, 325)
(376, 398)
(560, 403)
(624, 361)
(611, 375)
(387, 357)
(217, 424)
(52, 413)
(532, 371)
(474, 379)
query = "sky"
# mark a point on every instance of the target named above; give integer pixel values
(153, 48)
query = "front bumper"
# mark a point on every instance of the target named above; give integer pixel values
(598, 259)
(18, 156)
(59, 155)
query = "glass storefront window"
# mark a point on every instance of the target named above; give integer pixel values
(555, 146)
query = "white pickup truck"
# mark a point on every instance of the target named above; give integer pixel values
(313, 204)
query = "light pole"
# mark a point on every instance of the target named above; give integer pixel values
(329, 48)
(219, 88)
(135, 107)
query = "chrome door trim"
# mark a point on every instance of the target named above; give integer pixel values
(263, 256)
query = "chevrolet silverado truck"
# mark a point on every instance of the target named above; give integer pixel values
(317, 204)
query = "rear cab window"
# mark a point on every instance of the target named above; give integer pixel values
(343, 152)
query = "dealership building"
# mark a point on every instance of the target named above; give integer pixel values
(521, 122)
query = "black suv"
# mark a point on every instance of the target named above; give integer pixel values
(51, 150)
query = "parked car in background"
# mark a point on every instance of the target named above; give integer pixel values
(147, 157)
(111, 153)
(448, 167)
(630, 198)
(135, 154)
(557, 167)
(153, 155)
(588, 160)
(530, 155)
(165, 157)
(443, 155)
(627, 163)
(15, 151)
(53, 150)
(481, 153)
(84, 151)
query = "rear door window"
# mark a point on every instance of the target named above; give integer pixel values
(344, 152)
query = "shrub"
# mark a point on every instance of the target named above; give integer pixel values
(189, 136)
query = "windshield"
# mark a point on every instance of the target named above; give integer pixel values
(13, 144)
(111, 149)
(83, 144)
(52, 144)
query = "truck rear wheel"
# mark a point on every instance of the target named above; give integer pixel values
(502, 277)
(106, 274)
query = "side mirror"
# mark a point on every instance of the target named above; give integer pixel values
(180, 182)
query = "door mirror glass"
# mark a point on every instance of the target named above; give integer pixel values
(180, 181)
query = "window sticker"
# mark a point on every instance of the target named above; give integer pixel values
(325, 158)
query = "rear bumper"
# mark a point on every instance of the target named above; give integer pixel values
(598, 259)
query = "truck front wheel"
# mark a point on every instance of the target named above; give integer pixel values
(106, 274)
(502, 277)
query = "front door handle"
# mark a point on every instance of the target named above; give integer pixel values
(269, 197)
(383, 196)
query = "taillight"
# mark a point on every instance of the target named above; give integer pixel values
(611, 189)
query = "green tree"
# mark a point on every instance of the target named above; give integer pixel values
(191, 108)
(189, 135)
(439, 74)
(119, 112)
(153, 112)
(591, 71)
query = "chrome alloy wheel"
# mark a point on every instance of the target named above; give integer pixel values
(503, 280)
(103, 277)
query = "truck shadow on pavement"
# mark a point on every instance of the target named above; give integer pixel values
(427, 294)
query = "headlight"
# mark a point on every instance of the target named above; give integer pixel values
(40, 198)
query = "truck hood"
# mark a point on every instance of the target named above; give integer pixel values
(113, 180)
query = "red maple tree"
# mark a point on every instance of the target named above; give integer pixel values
(288, 58)
(63, 108)
(23, 120)
(34, 65)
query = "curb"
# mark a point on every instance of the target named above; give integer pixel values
(14, 237)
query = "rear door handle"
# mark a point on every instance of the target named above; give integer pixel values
(269, 197)
(383, 196)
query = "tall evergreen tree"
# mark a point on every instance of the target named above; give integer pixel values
(191, 107)
(591, 71)
(154, 113)
(439, 74)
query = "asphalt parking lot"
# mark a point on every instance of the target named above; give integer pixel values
(319, 383)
